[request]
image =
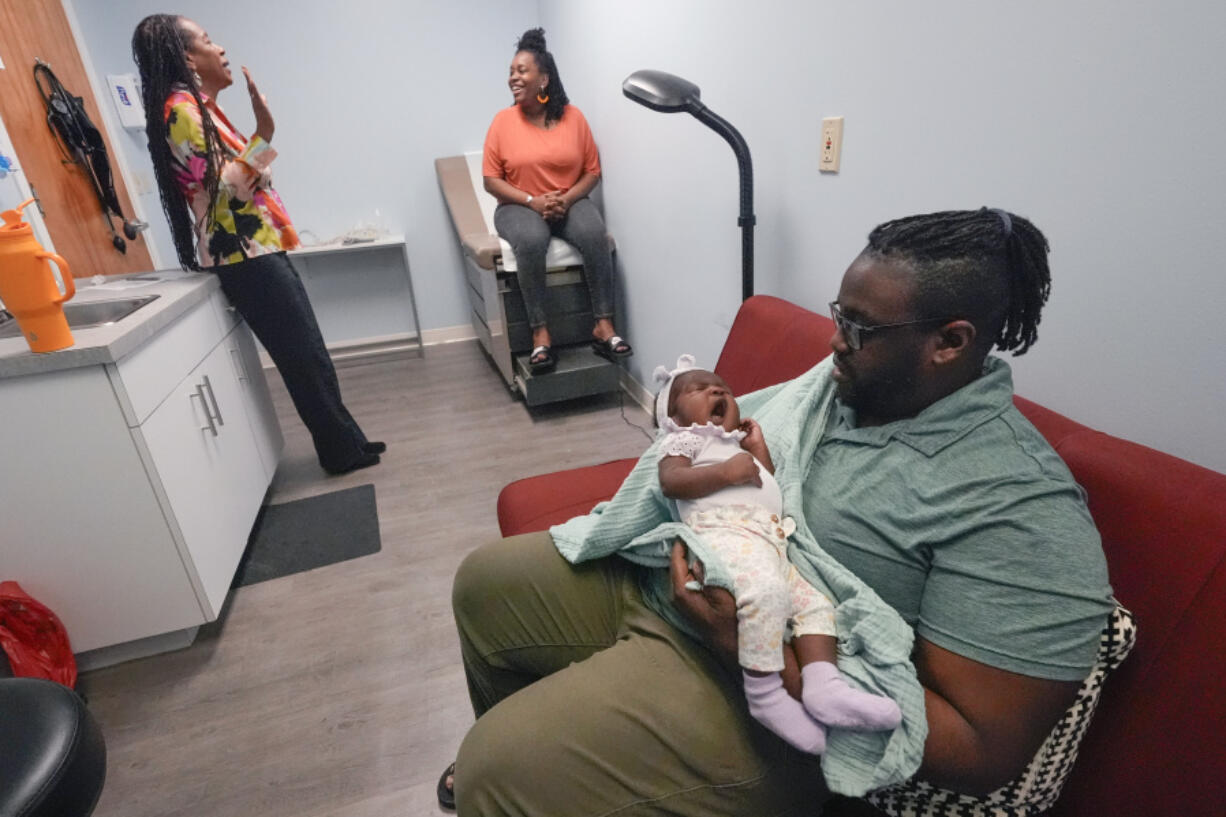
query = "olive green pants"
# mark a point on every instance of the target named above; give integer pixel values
(588, 703)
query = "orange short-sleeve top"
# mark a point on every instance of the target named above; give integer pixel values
(537, 160)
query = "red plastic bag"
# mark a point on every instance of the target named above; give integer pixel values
(34, 638)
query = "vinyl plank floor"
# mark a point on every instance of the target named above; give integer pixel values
(339, 692)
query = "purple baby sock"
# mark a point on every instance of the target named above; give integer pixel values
(771, 705)
(830, 700)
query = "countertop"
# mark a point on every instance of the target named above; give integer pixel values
(179, 292)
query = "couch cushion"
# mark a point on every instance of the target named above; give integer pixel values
(771, 341)
(536, 503)
(1054, 427)
(1156, 745)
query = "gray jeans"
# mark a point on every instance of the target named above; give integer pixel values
(529, 234)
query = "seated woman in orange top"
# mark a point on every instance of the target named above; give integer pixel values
(540, 163)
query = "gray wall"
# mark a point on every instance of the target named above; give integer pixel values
(366, 94)
(1101, 121)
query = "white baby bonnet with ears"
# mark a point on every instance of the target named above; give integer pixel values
(665, 378)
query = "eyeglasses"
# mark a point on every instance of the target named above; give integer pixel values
(855, 333)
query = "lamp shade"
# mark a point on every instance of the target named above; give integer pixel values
(669, 93)
(662, 91)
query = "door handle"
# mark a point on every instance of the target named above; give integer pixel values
(37, 201)
(213, 397)
(238, 365)
(204, 405)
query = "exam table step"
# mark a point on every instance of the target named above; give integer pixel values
(579, 373)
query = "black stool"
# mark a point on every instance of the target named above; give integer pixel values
(52, 755)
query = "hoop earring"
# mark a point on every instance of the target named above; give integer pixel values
(542, 99)
(196, 78)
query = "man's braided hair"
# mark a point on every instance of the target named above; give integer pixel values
(986, 266)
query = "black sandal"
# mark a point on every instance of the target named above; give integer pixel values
(612, 348)
(542, 359)
(446, 794)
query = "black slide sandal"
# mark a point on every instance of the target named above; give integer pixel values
(548, 359)
(612, 348)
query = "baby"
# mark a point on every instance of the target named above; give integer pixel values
(718, 469)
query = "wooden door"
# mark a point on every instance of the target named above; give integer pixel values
(32, 29)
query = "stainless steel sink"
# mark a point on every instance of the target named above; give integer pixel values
(85, 314)
(101, 313)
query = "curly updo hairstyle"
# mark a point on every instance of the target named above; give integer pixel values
(533, 41)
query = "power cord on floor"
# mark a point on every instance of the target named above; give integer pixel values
(621, 401)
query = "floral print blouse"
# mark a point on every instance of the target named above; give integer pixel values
(247, 218)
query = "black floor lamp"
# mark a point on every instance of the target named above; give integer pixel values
(672, 94)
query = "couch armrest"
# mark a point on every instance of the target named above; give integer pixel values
(536, 503)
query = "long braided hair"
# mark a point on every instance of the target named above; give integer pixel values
(987, 266)
(159, 46)
(533, 41)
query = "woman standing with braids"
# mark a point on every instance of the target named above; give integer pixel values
(540, 163)
(225, 217)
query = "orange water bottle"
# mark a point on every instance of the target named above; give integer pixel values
(28, 287)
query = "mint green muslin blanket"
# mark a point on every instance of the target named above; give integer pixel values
(874, 641)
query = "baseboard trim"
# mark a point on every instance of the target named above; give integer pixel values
(131, 650)
(386, 347)
(638, 393)
(448, 334)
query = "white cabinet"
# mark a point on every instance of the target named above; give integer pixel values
(130, 488)
(82, 528)
(256, 398)
(206, 457)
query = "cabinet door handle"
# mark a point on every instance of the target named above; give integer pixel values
(238, 365)
(213, 397)
(204, 405)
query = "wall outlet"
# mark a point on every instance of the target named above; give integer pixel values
(831, 144)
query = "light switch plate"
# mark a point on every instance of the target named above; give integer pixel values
(831, 147)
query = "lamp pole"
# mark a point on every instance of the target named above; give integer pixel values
(668, 93)
(744, 165)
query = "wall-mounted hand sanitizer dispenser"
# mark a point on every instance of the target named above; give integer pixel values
(125, 93)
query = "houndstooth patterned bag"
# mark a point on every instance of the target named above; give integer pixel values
(1037, 788)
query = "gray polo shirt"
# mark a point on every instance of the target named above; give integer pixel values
(966, 521)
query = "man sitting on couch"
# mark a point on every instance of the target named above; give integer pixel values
(927, 483)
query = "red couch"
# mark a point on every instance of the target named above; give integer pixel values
(1157, 745)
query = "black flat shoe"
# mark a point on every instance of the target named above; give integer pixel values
(446, 794)
(364, 461)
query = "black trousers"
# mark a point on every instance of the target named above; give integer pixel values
(268, 293)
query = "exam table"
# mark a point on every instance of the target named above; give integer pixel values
(497, 312)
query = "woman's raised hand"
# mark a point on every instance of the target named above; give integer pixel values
(264, 126)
